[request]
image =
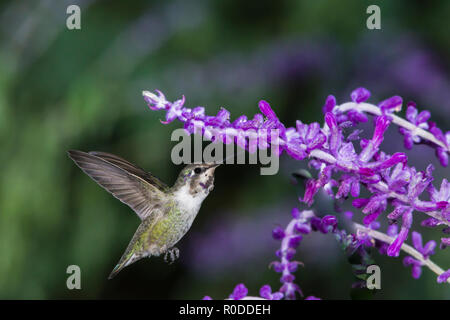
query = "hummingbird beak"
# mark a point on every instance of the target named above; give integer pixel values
(214, 165)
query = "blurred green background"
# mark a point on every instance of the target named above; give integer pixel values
(66, 89)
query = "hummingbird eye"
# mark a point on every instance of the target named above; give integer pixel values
(197, 170)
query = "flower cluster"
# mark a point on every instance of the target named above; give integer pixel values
(342, 170)
(240, 292)
(302, 223)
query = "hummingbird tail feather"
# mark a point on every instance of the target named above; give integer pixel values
(124, 261)
(115, 271)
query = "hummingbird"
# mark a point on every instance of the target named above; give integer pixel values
(166, 213)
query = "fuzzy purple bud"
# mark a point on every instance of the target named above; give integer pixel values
(360, 95)
(239, 292)
(265, 108)
(330, 103)
(443, 277)
(391, 104)
(278, 233)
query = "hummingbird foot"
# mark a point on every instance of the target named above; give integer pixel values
(171, 255)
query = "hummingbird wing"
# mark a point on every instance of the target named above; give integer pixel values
(131, 168)
(124, 181)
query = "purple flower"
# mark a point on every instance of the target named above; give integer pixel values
(416, 266)
(419, 120)
(398, 178)
(335, 137)
(266, 110)
(278, 233)
(392, 104)
(312, 298)
(295, 212)
(356, 117)
(394, 249)
(443, 277)
(372, 146)
(442, 153)
(445, 242)
(360, 95)
(426, 250)
(266, 293)
(441, 197)
(310, 135)
(387, 178)
(239, 292)
(330, 103)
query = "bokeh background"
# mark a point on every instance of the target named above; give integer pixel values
(81, 89)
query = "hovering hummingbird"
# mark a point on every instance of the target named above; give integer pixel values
(166, 212)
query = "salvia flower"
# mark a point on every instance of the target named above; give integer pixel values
(239, 292)
(342, 170)
(420, 120)
(394, 249)
(360, 95)
(444, 276)
(392, 104)
(330, 103)
(426, 250)
(266, 293)
(416, 266)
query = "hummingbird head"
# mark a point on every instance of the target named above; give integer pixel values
(197, 178)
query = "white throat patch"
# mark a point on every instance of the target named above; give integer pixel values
(187, 201)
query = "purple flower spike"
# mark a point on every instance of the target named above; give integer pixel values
(207, 298)
(342, 170)
(444, 276)
(239, 292)
(360, 95)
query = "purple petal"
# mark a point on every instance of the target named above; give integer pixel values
(278, 233)
(417, 240)
(312, 298)
(391, 104)
(330, 103)
(360, 95)
(239, 292)
(265, 108)
(443, 276)
(266, 292)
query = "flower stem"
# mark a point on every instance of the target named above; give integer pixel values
(374, 110)
(407, 248)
